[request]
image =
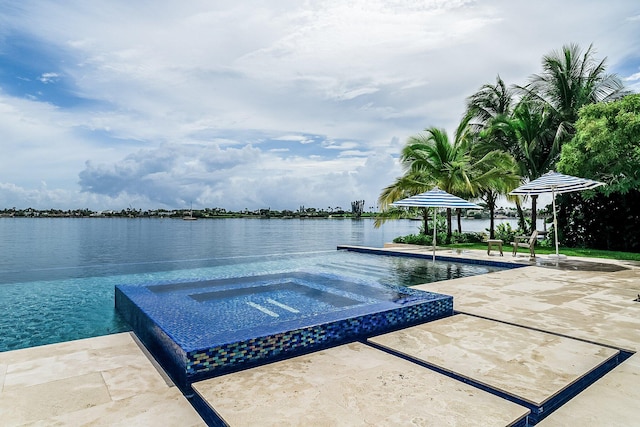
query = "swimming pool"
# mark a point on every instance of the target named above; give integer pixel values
(68, 306)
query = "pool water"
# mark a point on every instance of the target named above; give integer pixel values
(41, 312)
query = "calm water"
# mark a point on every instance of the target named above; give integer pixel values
(57, 275)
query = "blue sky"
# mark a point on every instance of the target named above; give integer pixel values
(164, 104)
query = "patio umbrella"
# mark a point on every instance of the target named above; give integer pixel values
(555, 183)
(435, 198)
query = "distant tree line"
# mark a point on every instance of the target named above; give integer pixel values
(357, 211)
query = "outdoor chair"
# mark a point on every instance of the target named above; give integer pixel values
(521, 242)
(497, 243)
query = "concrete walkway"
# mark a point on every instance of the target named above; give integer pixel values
(529, 332)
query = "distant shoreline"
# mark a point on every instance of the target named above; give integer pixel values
(180, 217)
(218, 213)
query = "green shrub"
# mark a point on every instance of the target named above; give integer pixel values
(505, 232)
(415, 239)
(427, 240)
(467, 237)
(549, 239)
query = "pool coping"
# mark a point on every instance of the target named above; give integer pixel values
(516, 263)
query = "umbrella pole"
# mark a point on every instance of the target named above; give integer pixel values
(555, 221)
(434, 234)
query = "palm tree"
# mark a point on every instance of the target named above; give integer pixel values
(489, 102)
(569, 80)
(543, 120)
(499, 177)
(429, 160)
(446, 164)
(457, 168)
(493, 104)
(528, 136)
(407, 185)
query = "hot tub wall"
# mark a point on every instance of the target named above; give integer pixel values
(204, 363)
(162, 347)
(187, 365)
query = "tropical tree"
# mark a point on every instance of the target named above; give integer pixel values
(448, 165)
(407, 185)
(489, 103)
(456, 167)
(505, 178)
(534, 130)
(571, 79)
(604, 148)
(529, 137)
(429, 160)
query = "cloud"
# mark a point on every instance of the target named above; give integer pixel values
(49, 77)
(297, 138)
(238, 177)
(633, 82)
(250, 104)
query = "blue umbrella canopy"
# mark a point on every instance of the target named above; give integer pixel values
(435, 198)
(555, 183)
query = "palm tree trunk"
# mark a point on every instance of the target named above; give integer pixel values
(534, 212)
(521, 223)
(491, 204)
(459, 212)
(492, 228)
(425, 222)
(449, 225)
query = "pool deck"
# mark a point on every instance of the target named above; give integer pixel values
(102, 381)
(529, 333)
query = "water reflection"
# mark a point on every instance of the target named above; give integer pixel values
(412, 271)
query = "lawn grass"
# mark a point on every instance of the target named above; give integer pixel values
(546, 250)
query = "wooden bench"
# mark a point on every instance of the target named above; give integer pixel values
(528, 242)
(494, 243)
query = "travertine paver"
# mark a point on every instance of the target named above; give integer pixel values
(352, 385)
(97, 381)
(597, 306)
(613, 401)
(531, 365)
(593, 306)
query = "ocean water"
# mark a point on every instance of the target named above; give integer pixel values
(62, 248)
(57, 275)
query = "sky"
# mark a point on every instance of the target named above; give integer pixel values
(252, 104)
